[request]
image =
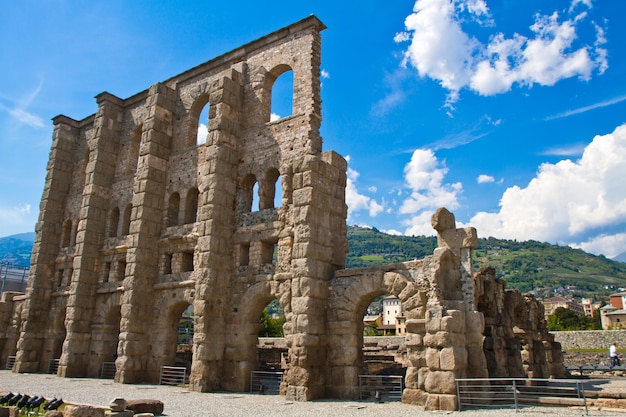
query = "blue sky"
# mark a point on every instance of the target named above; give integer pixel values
(510, 113)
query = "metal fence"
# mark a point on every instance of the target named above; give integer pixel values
(108, 370)
(53, 366)
(173, 375)
(381, 387)
(13, 277)
(519, 392)
(265, 382)
(10, 362)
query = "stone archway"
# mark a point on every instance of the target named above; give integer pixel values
(350, 296)
(240, 357)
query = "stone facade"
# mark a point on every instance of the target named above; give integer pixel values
(139, 222)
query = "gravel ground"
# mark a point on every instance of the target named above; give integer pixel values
(180, 402)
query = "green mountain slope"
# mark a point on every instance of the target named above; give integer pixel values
(16, 249)
(528, 266)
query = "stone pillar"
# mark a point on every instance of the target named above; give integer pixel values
(47, 244)
(142, 257)
(217, 184)
(99, 174)
(313, 264)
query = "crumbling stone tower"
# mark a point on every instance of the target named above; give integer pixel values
(138, 222)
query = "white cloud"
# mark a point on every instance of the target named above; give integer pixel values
(420, 225)
(588, 108)
(441, 50)
(203, 132)
(575, 149)
(609, 245)
(26, 118)
(424, 176)
(15, 219)
(393, 232)
(568, 201)
(274, 117)
(324, 74)
(357, 201)
(484, 179)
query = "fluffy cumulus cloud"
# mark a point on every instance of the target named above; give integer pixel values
(357, 201)
(570, 201)
(442, 50)
(424, 177)
(483, 179)
(203, 132)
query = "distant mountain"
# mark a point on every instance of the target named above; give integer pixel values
(16, 249)
(528, 266)
(621, 257)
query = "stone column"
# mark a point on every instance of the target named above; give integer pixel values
(316, 188)
(47, 244)
(99, 174)
(214, 268)
(142, 257)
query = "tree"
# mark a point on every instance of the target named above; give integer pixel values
(271, 327)
(566, 319)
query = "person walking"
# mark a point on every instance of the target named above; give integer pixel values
(613, 354)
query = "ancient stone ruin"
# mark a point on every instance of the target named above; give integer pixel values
(139, 222)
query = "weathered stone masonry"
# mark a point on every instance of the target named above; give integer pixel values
(138, 222)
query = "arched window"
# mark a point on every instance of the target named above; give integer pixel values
(203, 125)
(282, 93)
(172, 210)
(200, 113)
(114, 219)
(191, 206)
(67, 234)
(126, 222)
(248, 185)
(83, 177)
(133, 152)
(268, 193)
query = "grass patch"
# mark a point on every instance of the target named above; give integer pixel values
(372, 257)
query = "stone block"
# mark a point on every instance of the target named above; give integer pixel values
(453, 322)
(125, 413)
(146, 406)
(414, 396)
(82, 411)
(453, 358)
(440, 382)
(432, 359)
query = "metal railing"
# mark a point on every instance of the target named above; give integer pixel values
(173, 375)
(53, 366)
(10, 362)
(13, 277)
(108, 370)
(265, 382)
(381, 387)
(519, 392)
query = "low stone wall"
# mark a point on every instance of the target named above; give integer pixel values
(393, 342)
(591, 339)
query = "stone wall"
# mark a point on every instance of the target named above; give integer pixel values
(139, 222)
(590, 339)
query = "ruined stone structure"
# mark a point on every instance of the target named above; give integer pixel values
(138, 222)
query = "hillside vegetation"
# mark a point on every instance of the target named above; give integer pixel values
(528, 266)
(542, 268)
(16, 249)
